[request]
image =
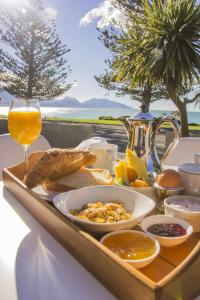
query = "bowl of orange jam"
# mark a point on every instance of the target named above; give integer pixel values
(134, 247)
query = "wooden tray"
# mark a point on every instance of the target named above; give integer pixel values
(173, 275)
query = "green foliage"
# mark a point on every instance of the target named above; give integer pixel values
(91, 121)
(170, 46)
(109, 82)
(108, 118)
(127, 6)
(160, 45)
(118, 40)
(32, 59)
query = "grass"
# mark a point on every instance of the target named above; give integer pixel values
(103, 122)
(191, 127)
(108, 122)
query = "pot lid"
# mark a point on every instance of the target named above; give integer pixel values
(190, 168)
(141, 116)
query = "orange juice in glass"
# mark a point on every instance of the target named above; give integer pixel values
(24, 122)
(24, 126)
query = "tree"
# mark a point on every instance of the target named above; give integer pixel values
(127, 6)
(170, 50)
(115, 39)
(146, 94)
(32, 59)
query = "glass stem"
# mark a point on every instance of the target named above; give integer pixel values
(26, 156)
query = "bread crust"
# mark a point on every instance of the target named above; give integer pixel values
(56, 163)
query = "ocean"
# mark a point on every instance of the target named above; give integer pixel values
(95, 113)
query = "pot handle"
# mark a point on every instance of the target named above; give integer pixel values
(176, 127)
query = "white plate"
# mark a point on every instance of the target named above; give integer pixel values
(44, 194)
(139, 205)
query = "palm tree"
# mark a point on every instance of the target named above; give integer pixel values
(170, 50)
(116, 40)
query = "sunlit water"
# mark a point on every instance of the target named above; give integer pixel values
(95, 113)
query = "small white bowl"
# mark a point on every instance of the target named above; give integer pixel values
(139, 205)
(193, 217)
(167, 241)
(139, 263)
(162, 193)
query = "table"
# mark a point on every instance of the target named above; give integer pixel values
(33, 265)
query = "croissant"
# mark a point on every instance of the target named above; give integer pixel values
(56, 163)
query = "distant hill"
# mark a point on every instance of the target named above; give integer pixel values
(92, 103)
(66, 102)
(71, 102)
(103, 103)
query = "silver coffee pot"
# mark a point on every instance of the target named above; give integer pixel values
(142, 129)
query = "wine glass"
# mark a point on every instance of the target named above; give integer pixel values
(24, 123)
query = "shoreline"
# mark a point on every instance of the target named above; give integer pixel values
(65, 134)
(192, 126)
(88, 108)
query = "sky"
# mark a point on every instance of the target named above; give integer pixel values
(87, 53)
(77, 22)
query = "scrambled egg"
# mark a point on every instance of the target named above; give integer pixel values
(102, 212)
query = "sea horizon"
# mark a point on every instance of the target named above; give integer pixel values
(95, 113)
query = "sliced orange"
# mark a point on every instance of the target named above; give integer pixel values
(139, 183)
(131, 174)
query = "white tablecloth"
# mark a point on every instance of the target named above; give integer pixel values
(33, 266)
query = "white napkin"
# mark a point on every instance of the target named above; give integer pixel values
(106, 153)
(85, 145)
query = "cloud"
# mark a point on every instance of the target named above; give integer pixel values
(11, 4)
(74, 84)
(50, 13)
(67, 93)
(105, 13)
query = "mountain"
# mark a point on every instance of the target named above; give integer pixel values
(103, 103)
(71, 102)
(66, 102)
(92, 103)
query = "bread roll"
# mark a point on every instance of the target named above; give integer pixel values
(56, 163)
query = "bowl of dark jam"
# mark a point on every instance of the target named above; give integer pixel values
(168, 230)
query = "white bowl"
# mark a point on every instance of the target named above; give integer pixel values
(139, 263)
(167, 241)
(148, 191)
(193, 217)
(139, 205)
